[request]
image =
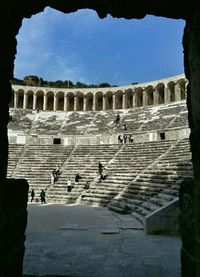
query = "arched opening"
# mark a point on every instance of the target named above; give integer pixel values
(99, 101)
(160, 88)
(138, 97)
(128, 98)
(149, 94)
(50, 100)
(182, 85)
(79, 101)
(70, 101)
(109, 100)
(20, 95)
(89, 101)
(39, 100)
(119, 99)
(171, 89)
(29, 99)
(60, 101)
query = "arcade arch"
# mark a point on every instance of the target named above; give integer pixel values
(118, 100)
(39, 100)
(99, 101)
(59, 101)
(89, 101)
(109, 96)
(49, 101)
(70, 102)
(138, 97)
(128, 98)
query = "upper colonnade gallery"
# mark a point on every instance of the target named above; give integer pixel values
(98, 99)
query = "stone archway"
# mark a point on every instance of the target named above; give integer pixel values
(50, 100)
(109, 100)
(60, 101)
(99, 101)
(128, 98)
(89, 101)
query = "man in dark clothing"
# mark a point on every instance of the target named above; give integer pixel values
(32, 195)
(100, 167)
(42, 197)
(77, 177)
(117, 119)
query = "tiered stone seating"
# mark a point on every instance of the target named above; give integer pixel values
(21, 120)
(140, 119)
(126, 165)
(37, 162)
(83, 160)
(77, 123)
(181, 120)
(47, 123)
(161, 116)
(143, 176)
(157, 184)
(14, 154)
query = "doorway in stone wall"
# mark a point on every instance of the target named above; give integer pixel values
(73, 71)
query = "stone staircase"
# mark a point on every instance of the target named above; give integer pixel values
(158, 184)
(14, 154)
(143, 176)
(126, 165)
(83, 160)
(37, 163)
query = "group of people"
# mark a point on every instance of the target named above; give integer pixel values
(125, 138)
(77, 178)
(55, 174)
(42, 196)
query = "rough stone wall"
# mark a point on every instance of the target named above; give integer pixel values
(191, 249)
(13, 220)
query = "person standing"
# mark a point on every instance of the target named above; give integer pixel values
(42, 197)
(32, 194)
(100, 168)
(69, 185)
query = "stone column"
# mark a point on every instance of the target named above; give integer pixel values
(84, 103)
(144, 98)
(114, 101)
(34, 101)
(55, 102)
(155, 97)
(25, 100)
(177, 92)
(124, 101)
(45, 102)
(134, 100)
(75, 103)
(65, 103)
(93, 103)
(166, 94)
(15, 100)
(104, 103)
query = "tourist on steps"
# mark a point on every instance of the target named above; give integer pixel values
(42, 197)
(32, 195)
(100, 168)
(69, 185)
(77, 178)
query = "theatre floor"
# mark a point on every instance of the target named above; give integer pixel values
(88, 241)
